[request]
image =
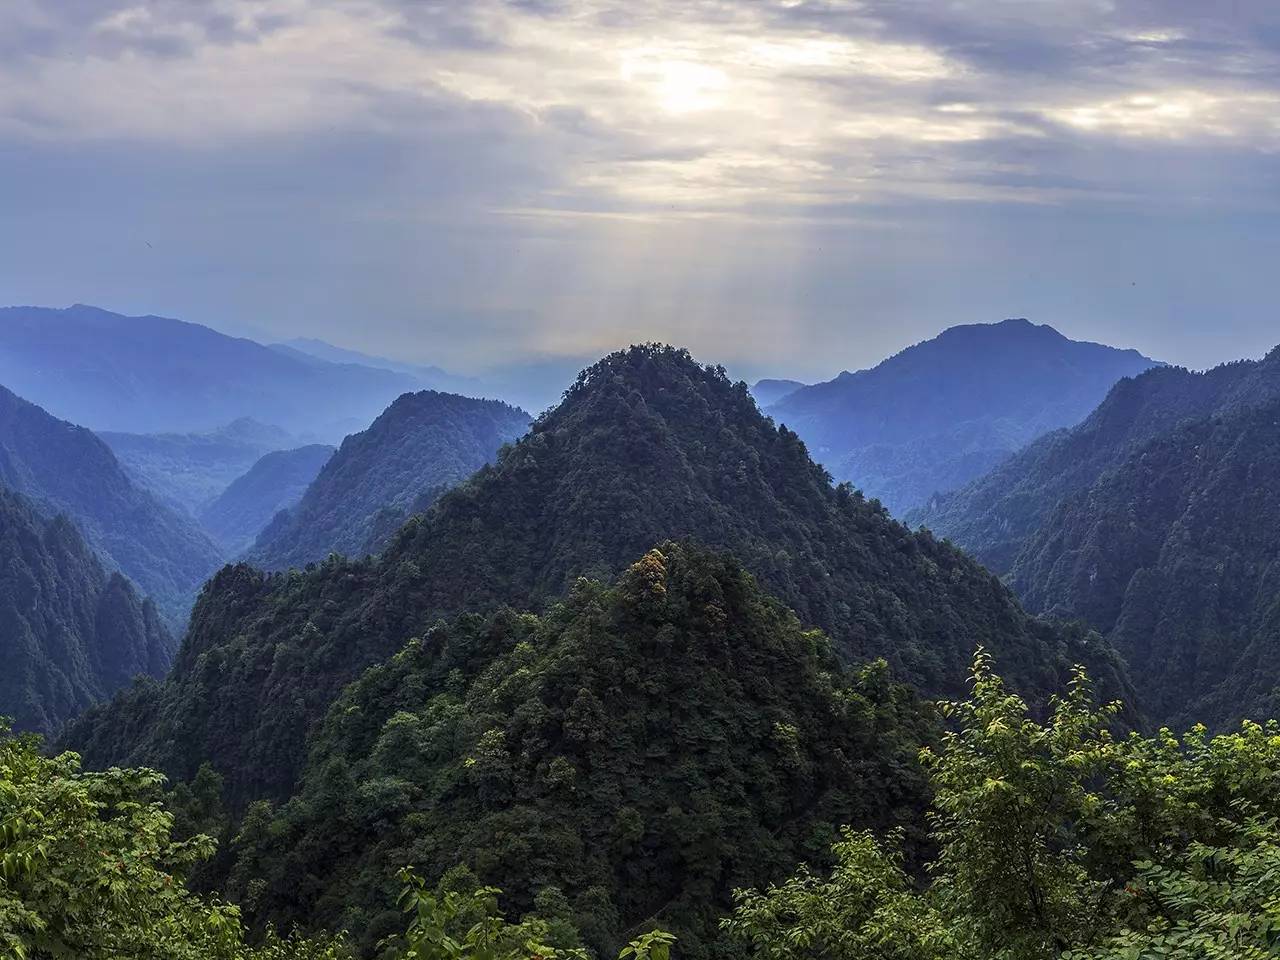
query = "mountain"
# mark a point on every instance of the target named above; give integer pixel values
(647, 445)
(66, 469)
(419, 446)
(189, 470)
(158, 375)
(945, 411)
(70, 633)
(643, 748)
(274, 483)
(531, 383)
(428, 376)
(1153, 521)
(769, 392)
(994, 516)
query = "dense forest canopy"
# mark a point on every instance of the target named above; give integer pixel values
(634, 753)
(71, 633)
(647, 445)
(1155, 522)
(1052, 840)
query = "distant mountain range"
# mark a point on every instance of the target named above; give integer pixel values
(418, 447)
(769, 392)
(189, 470)
(159, 375)
(945, 411)
(430, 377)
(274, 483)
(1157, 520)
(65, 469)
(532, 384)
(70, 632)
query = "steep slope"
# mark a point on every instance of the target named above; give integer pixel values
(1175, 554)
(64, 468)
(643, 748)
(277, 481)
(70, 633)
(647, 445)
(943, 412)
(421, 445)
(158, 375)
(769, 392)
(189, 470)
(995, 515)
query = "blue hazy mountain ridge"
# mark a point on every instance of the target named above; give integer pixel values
(65, 468)
(190, 470)
(417, 448)
(71, 633)
(159, 375)
(768, 392)
(277, 481)
(945, 411)
(994, 516)
(429, 376)
(534, 384)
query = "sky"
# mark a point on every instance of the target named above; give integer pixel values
(788, 187)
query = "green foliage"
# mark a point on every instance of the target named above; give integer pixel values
(1154, 522)
(420, 446)
(867, 909)
(88, 869)
(646, 445)
(1056, 839)
(1171, 554)
(70, 633)
(639, 750)
(450, 925)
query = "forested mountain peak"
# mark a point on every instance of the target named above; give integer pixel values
(647, 445)
(942, 412)
(70, 632)
(421, 445)
(681, 713)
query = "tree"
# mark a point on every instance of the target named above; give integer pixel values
(1055, 840)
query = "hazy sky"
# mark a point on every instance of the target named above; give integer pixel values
(784, 186)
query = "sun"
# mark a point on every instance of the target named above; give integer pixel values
(677, 86)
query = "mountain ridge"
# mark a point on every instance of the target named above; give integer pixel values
(421, 445)
(647, 445)
(66, 468)
(944, 411)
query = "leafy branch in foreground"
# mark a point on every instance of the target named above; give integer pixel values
(1055, 839)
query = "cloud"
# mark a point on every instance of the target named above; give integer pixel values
(588, 166)
(733, 102)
